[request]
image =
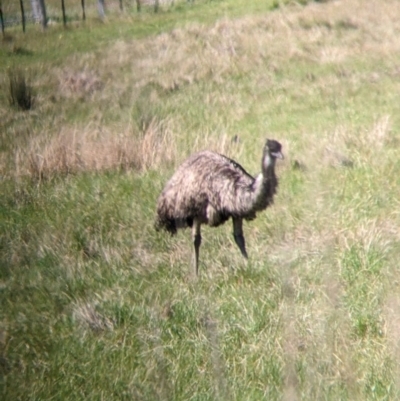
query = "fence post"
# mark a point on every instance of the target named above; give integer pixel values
(21, 4)
(39, 12)
(63, 13)
(138, 5)
(1, 19)
(83, 10)
(100, 7)
(43, 15)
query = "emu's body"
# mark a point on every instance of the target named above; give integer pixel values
(209, 188)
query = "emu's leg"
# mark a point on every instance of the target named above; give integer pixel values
(196, 235)
(238, 235)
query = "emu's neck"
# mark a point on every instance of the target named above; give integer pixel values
(268, 166)
(264, 186)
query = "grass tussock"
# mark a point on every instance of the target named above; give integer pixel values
(20, 91)
(72, 151)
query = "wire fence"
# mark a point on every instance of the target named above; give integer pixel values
(22, 12)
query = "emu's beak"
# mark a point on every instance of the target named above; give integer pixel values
(278, 155)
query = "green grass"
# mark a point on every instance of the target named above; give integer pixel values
(95, 304)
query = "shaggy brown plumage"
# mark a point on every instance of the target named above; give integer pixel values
(209, 188)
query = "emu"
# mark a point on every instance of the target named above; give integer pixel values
(209, 188)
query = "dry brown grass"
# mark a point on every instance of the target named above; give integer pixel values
(85, 314)
(95, 149)
(196, 52)
(82, 83)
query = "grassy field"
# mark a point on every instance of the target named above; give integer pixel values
(96, 305)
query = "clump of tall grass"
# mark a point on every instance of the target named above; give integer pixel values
(98, 149)
(20, 91)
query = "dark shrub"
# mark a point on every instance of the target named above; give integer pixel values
(21, 95)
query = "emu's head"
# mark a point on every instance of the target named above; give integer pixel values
(272, 151)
